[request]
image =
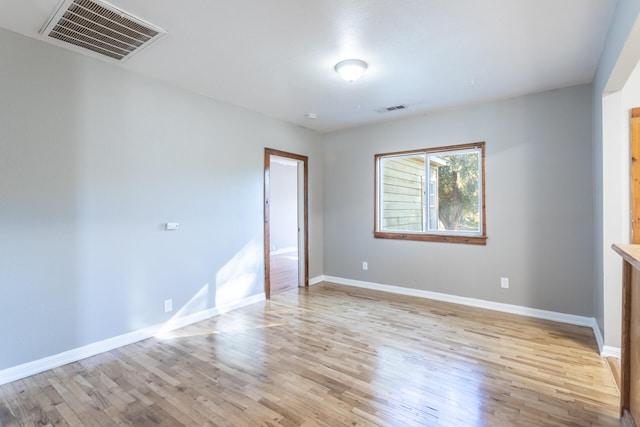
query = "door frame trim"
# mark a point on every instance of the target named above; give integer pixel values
(634, 130)
(268, 152)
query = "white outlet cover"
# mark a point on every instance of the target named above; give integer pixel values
(168, 305)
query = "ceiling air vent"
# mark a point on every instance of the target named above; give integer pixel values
(104, 30)
(394, 108)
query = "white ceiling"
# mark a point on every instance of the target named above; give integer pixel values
(276, 57)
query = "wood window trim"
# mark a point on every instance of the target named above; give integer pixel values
(427, 237)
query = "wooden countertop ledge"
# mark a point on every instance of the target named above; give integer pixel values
(630, 253)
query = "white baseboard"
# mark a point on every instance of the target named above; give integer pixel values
(31, 368)
(608, 351)
(35, 367)
(317, 279)
(598, 335)
(222, 309)
(571, 319)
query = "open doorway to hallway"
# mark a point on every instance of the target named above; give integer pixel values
(286, 248)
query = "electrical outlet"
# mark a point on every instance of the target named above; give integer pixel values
(168, 305)
(365, 265)
(504, 282)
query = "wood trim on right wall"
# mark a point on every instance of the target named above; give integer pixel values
(635, 175)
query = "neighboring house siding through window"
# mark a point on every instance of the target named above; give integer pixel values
(449, 206)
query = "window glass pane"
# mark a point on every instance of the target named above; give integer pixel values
(434, 194)
(402, 193)
(456, 177)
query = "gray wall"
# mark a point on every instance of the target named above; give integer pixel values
(283, 186)
(539, 204)
(93, 161)
(608, 154)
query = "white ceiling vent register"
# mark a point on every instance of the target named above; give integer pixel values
(100, 30)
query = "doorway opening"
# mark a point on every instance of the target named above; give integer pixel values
(286, 231)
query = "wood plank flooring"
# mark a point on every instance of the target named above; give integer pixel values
(284, 272)
(332, 355)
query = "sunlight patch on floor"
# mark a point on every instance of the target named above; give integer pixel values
(217, 329)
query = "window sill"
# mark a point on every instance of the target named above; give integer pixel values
(469, 240)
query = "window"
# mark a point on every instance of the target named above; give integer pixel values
(434, 194)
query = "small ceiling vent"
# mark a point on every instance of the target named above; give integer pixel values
(99, 29)
(394, 108)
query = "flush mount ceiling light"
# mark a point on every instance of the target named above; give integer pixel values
(351, 69)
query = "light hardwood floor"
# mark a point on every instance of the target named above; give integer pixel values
(332, 355)
(284, 272)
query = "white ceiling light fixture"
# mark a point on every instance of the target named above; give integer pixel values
(351, 69)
